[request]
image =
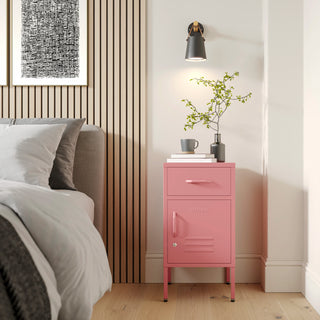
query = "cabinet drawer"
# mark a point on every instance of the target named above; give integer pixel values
(198, 181)
(199, 231)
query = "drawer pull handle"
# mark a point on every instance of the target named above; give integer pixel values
(174, 227)
(199, 181)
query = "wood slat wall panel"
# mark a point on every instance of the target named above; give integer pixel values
(114, 100)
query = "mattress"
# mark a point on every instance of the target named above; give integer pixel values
(82, 200)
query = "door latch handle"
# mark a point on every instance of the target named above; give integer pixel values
(174, 226)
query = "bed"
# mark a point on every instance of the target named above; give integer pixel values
(53, 260)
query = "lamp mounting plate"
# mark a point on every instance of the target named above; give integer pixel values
(190, 28)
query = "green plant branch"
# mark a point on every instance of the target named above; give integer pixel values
(217, 106)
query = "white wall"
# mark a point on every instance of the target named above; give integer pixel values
(283, 247)
(312, 150)
(233, 32)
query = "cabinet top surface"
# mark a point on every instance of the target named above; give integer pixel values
(199, 165)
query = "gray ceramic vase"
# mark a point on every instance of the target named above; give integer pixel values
(218, 148)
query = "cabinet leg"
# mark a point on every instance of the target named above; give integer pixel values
(232, 281)
(227, 275)
(165, 284)
(169, 275)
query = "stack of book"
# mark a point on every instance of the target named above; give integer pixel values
(192, 157)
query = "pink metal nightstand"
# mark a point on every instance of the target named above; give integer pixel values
(199, 218)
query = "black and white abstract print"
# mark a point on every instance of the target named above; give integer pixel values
(50, 38)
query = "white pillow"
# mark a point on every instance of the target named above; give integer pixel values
(27, 152)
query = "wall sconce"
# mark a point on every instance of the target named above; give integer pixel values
(195, 43)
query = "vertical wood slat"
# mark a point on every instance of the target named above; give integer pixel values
(136, 134)
(60, 105)
(91, 61)
(142, 125)
(116, 166)
(97, 62)
(31, 105)
(77, 102)
(84, 100)
(12, 106)
(104, 63)
(52, 102)
(110, 187)
(38, 102)
(103, 90)
(123, 139)
(18, 102)
(44, 102)
(25, 104)
(110, 172)
(62, 102)
(129, 143)
(114, 100)
(5, 99)
(70, 102)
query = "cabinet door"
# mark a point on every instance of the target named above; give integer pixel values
(199, 231)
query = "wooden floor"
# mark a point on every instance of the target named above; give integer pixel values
(201, 301)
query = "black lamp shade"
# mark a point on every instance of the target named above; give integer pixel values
(195, 48)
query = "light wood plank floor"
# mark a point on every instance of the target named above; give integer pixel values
(201, 302)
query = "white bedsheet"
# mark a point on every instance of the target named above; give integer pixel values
(82, 199)
(63, 231)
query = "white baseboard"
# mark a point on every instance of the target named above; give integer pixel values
(281, 275)
(247, 271)
(312, 288)
(274, 275)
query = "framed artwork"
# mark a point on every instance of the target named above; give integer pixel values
(49, 42)
(3, 43)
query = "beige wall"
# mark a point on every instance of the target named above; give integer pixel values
(114, 100)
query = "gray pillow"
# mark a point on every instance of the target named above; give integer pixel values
(6, 121)
(61, 176)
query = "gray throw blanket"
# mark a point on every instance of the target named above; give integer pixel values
(23, 294)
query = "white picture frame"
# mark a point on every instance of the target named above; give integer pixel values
(3, 43)
(45, 65)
